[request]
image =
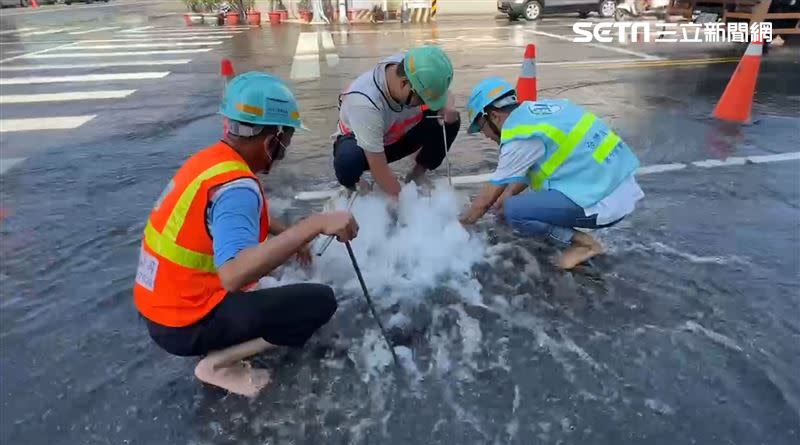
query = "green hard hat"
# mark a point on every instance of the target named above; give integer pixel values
(430, 72)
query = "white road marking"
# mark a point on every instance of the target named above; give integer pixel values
(597, 45)
(35, 53)
(176, 37)
(563, 63)
(306, 57)
(64, 96)
(9, 163)
(659, 168)
(132, 40)
(4, 68)
(44, 123)
(114, 54)
(709, 163)
(143, 36)
(645, 170)
(236, 28)
(48, 31)
(83, 78)
(327, 43)
(14, 31)
(105, 28)
(146, 45)
(141, 28)
(775, 158)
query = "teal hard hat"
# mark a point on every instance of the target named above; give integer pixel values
(259, 98)
(485, 93)
(430, 72)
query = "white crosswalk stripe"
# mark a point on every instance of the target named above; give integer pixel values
(84, 78)
(72, 55)
(105, 28)
(42, 123)
(147, 45)
(64, 96)
(74, 65)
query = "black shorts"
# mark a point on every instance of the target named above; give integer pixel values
(284, 316)
(425, 138)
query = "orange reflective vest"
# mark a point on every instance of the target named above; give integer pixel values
(176, 280)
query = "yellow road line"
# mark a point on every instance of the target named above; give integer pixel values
(660, 63)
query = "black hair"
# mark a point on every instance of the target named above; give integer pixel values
(401, 69)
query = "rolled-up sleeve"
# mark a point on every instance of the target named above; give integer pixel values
(516, 158)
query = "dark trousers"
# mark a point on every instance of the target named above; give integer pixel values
(285, 316)
(350, 161)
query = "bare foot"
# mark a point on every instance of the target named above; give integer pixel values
(239, 378)
(583, 247)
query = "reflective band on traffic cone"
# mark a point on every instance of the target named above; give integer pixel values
(227, 73)
(526, 84)
(737, 100)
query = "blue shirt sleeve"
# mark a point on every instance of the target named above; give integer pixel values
(234, 222)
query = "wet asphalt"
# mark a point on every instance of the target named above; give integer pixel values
(686, 332)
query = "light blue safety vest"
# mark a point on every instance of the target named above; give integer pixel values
(583, 158)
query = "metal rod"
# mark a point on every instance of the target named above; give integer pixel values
(328, 241)
(369, 301)
(446, 151)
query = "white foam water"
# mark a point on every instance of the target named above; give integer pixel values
(404, 252)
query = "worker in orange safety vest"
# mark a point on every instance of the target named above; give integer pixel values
(209, 239)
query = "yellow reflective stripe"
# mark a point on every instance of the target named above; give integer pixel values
(170, 250)
(548, 130)
(606, 147)
(181, 209)
(564, 150)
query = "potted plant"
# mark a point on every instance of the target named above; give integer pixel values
(377, 14)
(193, 17)
(253, 15)
(210, 12)
(236, 14)
(304, 10)
(281, 9)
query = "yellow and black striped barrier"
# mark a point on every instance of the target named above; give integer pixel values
(433, 10)
(419, 15)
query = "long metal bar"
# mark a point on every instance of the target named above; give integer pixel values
(369, 301)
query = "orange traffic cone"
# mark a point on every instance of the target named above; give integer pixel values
(737, 100)
(226, 70)
(526, 84)
(34, 4)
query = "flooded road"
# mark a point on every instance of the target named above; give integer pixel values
(687, 331)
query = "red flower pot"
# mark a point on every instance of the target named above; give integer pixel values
(306, 15)
(254, 18)
(275, 18)
(232, 18)
(284, 15)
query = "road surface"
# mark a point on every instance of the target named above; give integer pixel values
(687, 331)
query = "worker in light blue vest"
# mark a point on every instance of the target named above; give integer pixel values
(581, 172)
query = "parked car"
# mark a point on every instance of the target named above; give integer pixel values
(13, 3)
(533, 9)
(69, 2)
